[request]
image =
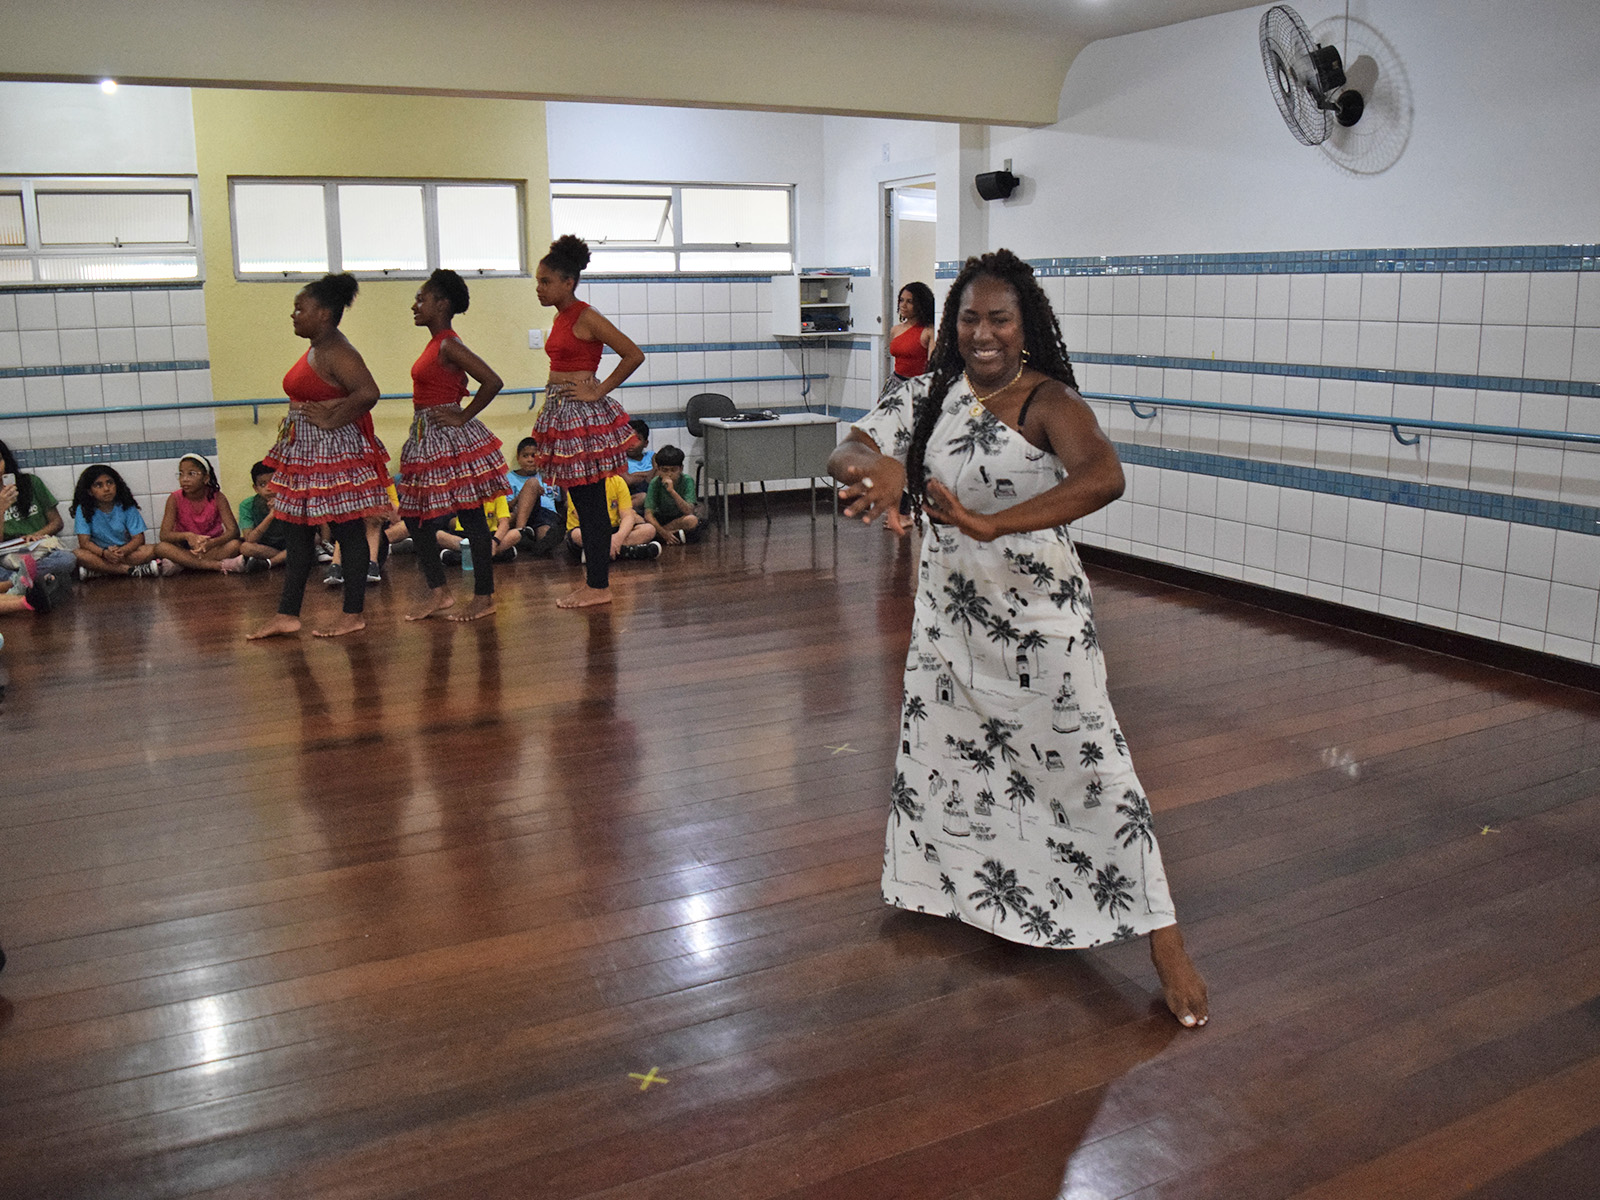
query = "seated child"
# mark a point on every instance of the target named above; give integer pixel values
(669, 500)
(384, 531)
(30, 513)
(631, 535)
(641, 464)
(111, 528)
(266, 544)
(505, 537)
(534, 524)
(198, 530)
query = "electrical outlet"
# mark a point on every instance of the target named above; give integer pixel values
(535, 339)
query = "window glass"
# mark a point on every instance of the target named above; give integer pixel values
(280, 228)
(479, 228)
(12, 232)
(630, 262)
(112, 218)
(90, 268)
(381, 228)
(16, 270)
(709, 228)
(614, 220)
(775, 262)
(723, 215)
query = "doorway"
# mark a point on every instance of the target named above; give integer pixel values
(910, 211)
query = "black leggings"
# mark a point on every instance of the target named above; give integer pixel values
(476, 526)
(353, 559)
(594, 523)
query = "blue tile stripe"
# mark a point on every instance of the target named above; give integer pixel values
(181, 364)
(1485, 383)
(834, 343)
(1406, 260)
(44, 289)
(594, 276)
(1519, 510)
(113, 452)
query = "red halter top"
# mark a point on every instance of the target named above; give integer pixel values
(434, 382)
(909, 356)
(567, 351)
(302, 383)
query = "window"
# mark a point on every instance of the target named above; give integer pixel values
(97, 230)
(374, 228)
(678, 228)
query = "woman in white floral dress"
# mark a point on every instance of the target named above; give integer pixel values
(1014, 805)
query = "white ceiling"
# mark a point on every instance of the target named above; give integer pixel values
(1080, 21)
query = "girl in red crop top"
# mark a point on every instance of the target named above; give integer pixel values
(451, 463)
(327, 464)
(582, 431)
(911, 340)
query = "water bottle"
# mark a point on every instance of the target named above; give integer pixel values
(466, 555)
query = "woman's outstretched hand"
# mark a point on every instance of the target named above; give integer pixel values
(873, 491)
(941, 504)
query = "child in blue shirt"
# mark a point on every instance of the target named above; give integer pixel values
(534, 523)
(110, 527)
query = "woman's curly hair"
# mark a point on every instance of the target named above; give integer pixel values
(1044, 350)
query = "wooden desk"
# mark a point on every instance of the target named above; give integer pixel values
(794, 446)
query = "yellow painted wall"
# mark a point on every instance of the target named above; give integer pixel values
(341, 134)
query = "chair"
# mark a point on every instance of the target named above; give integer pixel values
(713, 404)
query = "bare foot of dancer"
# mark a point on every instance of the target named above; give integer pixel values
(347, 623)
(481, 606)
(1181, 984)
(585, 597)
(279, 625)
(439, 599)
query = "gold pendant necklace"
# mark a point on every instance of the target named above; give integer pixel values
(978, 407)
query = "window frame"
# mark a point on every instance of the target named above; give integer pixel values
(330, 210)
(35, 253)
(675, 217)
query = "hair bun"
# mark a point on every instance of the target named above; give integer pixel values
(342, 287)
(571, 252)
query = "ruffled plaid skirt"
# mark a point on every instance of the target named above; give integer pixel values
(326, 474)
(579, 442)
(445, 469)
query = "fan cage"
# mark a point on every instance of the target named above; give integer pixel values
(1286, 53)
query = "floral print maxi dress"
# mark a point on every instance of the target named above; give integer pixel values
(1014, 805)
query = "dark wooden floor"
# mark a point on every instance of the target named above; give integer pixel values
(403, 915)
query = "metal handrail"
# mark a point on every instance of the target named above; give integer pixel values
(256, 404)
(1395, 424)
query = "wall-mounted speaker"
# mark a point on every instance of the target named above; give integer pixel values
(996, 185)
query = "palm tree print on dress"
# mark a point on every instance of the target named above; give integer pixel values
(1068, 852)
(1003, 632)
(1031, 643)
(1019, 790)
(981, 433)
(1071, 593)
(1137, 828)
(997, 736)
(903, 804)
(1113, 891)
(1091, 635)
(916, 710)
(1038, 922)
(999, 889)
(965, 606)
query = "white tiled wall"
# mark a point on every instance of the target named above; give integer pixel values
(1520, 584)
(705, 317)
(110, 329)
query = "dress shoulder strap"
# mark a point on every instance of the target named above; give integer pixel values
(1022, 413)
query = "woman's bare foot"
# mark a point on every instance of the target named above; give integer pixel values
(439, 599)
(347, 623)
(279, 624)
(585, 597)
(1181, 984)
(481, 606)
